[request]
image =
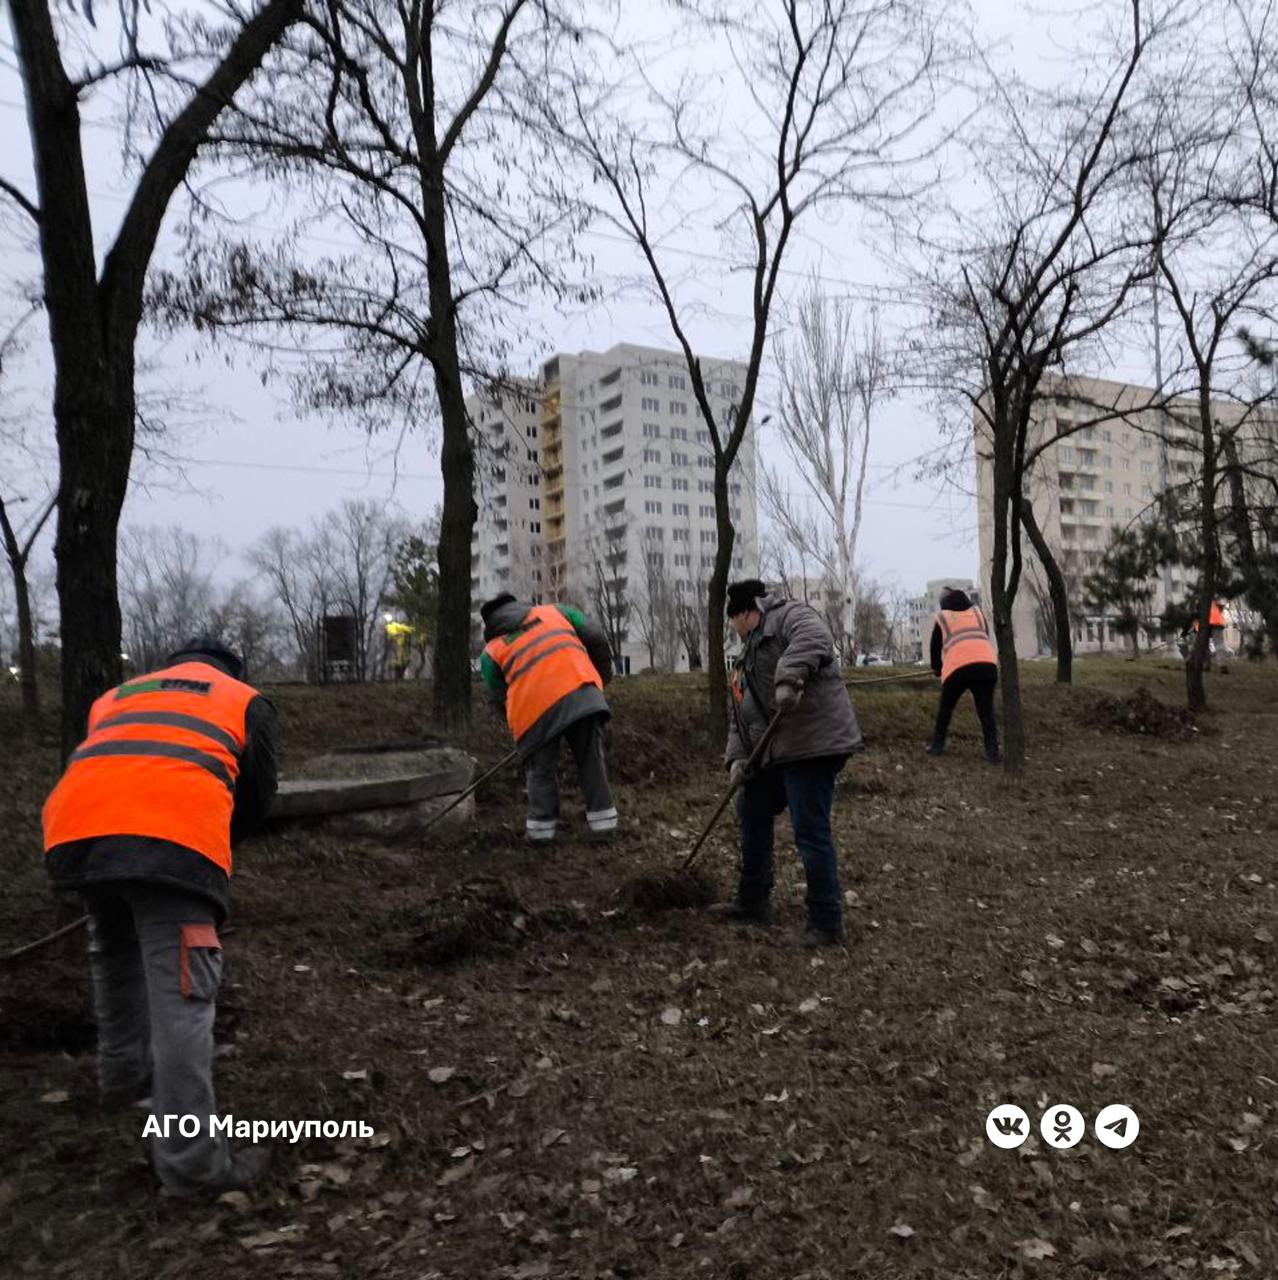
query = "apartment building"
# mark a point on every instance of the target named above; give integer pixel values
(507, 544)
(1099, 479)
(625, 520)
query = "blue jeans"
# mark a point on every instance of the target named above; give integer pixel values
(806, 788)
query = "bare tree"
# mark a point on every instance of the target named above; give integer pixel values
(300, 578)
(1051, 265)
(655, 609)
(403, 122)
(607, 575)
(1192, 194)
(840, 94)
(94, 315)
(20, 534)
(833, 381)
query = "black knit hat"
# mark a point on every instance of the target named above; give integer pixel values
(955, 600)
(743, 594)
(489, 607)
(209, 649)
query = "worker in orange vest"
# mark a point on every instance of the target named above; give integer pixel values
(178, 766)
(546, 666)
(963, 656)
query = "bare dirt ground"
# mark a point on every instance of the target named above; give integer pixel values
(590, 1092)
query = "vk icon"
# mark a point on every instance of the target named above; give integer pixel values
(1007, 1126)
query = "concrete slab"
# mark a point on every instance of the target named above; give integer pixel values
(372, 779)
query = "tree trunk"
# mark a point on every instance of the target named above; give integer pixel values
(1195, 686)
(717, 702)
(1058, 592)
(1005, 520)
(452, 682)
(26, 652)
(94, 452)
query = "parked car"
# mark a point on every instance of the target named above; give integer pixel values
(873, 660)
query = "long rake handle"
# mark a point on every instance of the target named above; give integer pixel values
(732, 790)
(474, 786)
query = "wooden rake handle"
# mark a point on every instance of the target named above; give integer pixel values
(474, 786)
(732, 790)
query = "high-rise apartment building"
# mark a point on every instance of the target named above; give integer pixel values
(506, 547)
(622, 519)
(1099, 479)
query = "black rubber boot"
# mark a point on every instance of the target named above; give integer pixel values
(936, 748)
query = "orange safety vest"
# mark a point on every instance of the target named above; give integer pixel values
(965, 639)
(542, 662)
(160, 760)
(1215, 619)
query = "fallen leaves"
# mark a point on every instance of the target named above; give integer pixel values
(441, 1075)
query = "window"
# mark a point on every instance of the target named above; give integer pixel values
(534, 504)
(703, 461)
(648, 378)
(1108, 460)
(1127, 464)
(536, 528)
(678, 459)
(707, 535)
(652, 455)
(679, 408)
(679, 535)
(705, 512)
(705, 486)
(677, 382)
(682, 559)
(678, 433)
(679, 484)
(654, 533)
(652, 508)
(679, 509)
(1109, 486)
(656, 559)
(1067, 454)
(703, 437)
(1107, 436)
(651, 404)
(1109, 511)
(652, 482)
(652, 430)
(1146, 491)
(1146, 468)
(1127, 490)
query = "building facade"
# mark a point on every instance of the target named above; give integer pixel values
(620, 504)
(1100, 479)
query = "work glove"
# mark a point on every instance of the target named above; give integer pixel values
(737, 773)
(787, 697)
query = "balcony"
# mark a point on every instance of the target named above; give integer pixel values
(611, 405)
(609, 378)
(612, 429)
(615, 508)
(613, 455)
(615, 482)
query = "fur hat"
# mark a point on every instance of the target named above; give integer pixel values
(742, 595)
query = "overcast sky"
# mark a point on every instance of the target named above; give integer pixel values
(249, 460)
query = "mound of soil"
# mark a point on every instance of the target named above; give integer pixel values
(484, 918)
(639, 758)
(1141, 712)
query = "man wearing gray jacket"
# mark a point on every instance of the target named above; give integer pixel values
(787, 664)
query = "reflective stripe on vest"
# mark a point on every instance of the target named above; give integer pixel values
(965, 640)
(542, 662)
(160, 760)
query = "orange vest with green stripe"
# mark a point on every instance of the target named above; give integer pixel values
(965, 639)
(160, 760)
(542, 662)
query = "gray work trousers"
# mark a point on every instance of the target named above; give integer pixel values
(156, 963)
(541, 773)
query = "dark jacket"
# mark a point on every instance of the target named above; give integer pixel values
(791, 645)
(79, 864)
(582, 702)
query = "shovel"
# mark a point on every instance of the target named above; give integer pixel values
(754, 758)
(508, 758)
